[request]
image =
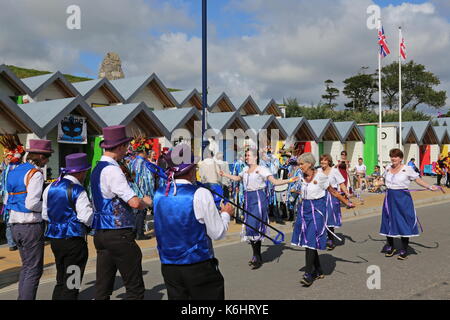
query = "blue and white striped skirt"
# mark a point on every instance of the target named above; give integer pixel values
(309, 228)
(333, 211)
(399, 217)
(257, 204)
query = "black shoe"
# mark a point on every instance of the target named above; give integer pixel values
(390, 252)
(13, 248)
(256, 265)
(280, 222)
(307, 279)
(402, 255)
(318, 275)
(330, 245)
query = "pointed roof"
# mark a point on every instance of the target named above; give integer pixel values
(226, 120)
(47, 114)
(443, 121)
(139, 112)
(268, 122)
(176, 118)
(443, 135)
(424, 131)
(250, 107)
(325, 130)
(39, 83)
(13, 113)
(129, 88)
(220, 100)
(349, 131)
(409, 136)
(183, 98)
(14, 82)
(270, 107)
(298, 128)
(87, 88)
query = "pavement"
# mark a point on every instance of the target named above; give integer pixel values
(371, 205)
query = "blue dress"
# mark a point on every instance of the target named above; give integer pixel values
(399, 218)
(310, 226)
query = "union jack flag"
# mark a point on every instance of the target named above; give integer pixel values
(384, 50)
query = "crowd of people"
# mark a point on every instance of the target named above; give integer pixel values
(127, 181)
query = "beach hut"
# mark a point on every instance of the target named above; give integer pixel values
(99, 92)
(50, 86)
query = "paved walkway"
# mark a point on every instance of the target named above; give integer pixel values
(10, 262)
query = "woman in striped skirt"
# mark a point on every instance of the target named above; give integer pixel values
(254, 179)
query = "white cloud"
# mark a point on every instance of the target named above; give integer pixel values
(298, 43)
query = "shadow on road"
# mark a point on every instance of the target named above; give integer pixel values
(328, 263)
(274, 252)
(89, 293)
(411, 250)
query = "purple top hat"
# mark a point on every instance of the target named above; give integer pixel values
(114, 136)
(76, 162)
(40, 146)
(175, 160)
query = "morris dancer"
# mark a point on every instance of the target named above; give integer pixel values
(294, 188)
(24, 185)
(66, 207)
(114, 220)
(309, 229)
(186, 219)
(399, 219)
(333, 212)
(254, 178)
(13, 153)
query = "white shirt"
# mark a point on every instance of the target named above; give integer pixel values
(206, 212)
(209, 171)
(361, 168)
(223, 165)
(400, 180)
(335, 177)
(316, 188)
(82, 205)
(114, 183)
(255, 180)
(32, 201)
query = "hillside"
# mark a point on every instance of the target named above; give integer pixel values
(26, 73)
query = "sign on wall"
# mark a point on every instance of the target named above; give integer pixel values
(72, 129)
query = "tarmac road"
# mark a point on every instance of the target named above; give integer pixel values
(424, 275)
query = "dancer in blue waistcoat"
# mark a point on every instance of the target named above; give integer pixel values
(24, 185)
(114, 220)
(256, 202)
(67, 209)
(186, 220)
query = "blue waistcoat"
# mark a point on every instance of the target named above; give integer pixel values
(109, 213)
(181, 238)
(63, 221)
(15, 184)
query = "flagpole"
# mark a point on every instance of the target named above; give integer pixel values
(400, 86)
(379, 107)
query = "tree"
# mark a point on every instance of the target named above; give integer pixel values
(360, 89)
(417, 86)
(331, 94)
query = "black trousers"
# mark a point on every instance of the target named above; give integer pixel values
(117, 250)
(199, 281)
(447, 183)
(68, 253)
(439, 178)
(140, 221)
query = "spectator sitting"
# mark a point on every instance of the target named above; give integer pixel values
(375, 181)
(412, 164)
(361, 169)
